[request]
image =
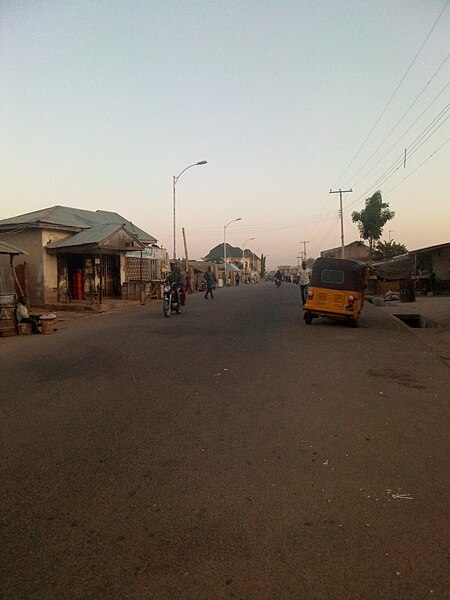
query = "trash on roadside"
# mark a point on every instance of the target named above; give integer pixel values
(399, 496)
(390, 296)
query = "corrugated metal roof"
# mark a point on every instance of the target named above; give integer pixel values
(430, 248)
(10, 249)
(76, 218)
(94, 235)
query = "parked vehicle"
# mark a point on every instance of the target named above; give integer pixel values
(337, 290)
(171, 299)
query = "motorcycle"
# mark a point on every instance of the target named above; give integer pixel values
(171, 299)
(278, 282)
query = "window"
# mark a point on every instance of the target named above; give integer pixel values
(332, 276)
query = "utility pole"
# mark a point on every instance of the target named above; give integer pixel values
(185, 250)
(304, 249)
(340, 192)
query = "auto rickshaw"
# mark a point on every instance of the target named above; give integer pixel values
(337, 290)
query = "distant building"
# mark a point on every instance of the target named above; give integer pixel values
(247, 262)
(356, 250)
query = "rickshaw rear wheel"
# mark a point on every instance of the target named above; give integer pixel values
(308, 318)
(352, 323)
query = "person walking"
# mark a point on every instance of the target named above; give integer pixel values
(304, 274)
(210, 280)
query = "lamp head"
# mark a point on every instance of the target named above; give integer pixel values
(202, 162)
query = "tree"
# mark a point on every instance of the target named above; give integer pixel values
(372, 219)
(388, 250)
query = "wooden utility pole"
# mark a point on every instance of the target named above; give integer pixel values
(185, 250)
(340, 192)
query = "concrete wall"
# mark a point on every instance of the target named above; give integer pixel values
(441, 264)
(355, 251)
(50, 264)
(41, 267)
(30, 240)
(7, 284)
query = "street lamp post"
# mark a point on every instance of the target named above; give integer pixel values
(243, 255)
(175, 179)
(225, 246)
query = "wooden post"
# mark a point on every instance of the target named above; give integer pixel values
(185, 250)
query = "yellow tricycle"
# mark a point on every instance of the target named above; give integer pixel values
(337, 290)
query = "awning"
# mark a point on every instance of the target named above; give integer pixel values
(10, 249)
(230, 268)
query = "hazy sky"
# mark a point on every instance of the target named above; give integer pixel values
(103, 102)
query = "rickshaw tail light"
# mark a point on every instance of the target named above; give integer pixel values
(310, 293)
(351, 299)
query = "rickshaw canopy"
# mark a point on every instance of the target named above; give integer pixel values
(338, 274)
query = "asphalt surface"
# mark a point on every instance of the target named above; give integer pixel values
(228, 452)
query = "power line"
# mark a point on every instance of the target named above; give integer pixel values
(404, 115)
(418, 167)
(423, 137)
(395, 92)
(281, 225)
(403, 135)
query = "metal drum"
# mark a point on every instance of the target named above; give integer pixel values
(8, 320)
(407, 290)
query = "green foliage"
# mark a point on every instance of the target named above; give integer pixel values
(384, 250)
(371, 219)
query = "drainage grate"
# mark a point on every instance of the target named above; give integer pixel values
(416, 321)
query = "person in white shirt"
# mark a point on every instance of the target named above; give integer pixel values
(304, 274)
(23, 316)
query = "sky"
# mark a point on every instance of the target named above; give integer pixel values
(104, 102)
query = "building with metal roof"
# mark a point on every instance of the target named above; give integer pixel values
(73, 254)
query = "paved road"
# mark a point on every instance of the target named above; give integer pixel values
(228, 452)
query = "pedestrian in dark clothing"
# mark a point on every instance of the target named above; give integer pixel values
(210, 280)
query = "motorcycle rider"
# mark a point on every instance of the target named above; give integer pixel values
(173, 278)
(278, 276)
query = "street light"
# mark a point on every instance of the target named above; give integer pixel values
(175, 179)
(225, 246)
(243, 255)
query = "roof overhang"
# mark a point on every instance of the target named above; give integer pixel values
(6, 248)
(106, 240)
